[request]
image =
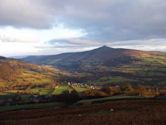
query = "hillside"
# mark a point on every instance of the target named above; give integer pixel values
(110, 65)
(15, 74)
(22, 83)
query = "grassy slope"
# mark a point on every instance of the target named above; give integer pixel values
(16, 72)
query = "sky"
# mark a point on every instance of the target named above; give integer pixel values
(44, 27)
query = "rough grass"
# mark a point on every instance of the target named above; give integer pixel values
(29, 106)
(111, 98)
(133, 112)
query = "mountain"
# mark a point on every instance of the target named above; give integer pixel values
(15, 73)
(89, 59)
(110, 65)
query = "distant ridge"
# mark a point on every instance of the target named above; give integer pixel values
(77, 60)
(1, 57)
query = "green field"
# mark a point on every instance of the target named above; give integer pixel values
(36, 94)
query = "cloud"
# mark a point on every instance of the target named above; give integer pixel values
(10, 34)
(137, 24)
(15, 41)
(147, 45)
(102, 19)
(24, 13)
(57, 46)
(119, 19)
(78, 42)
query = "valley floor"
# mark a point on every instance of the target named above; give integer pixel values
(119, 112)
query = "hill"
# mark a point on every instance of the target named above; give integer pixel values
(18, 74)
(81, 61)
(109, 65)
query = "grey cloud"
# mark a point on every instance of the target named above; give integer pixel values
(75, 42)
(69, 45)
(116, 19)
(83, 44)
(105, 20)
(150, 44)
(24, 13)
(61, 42)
